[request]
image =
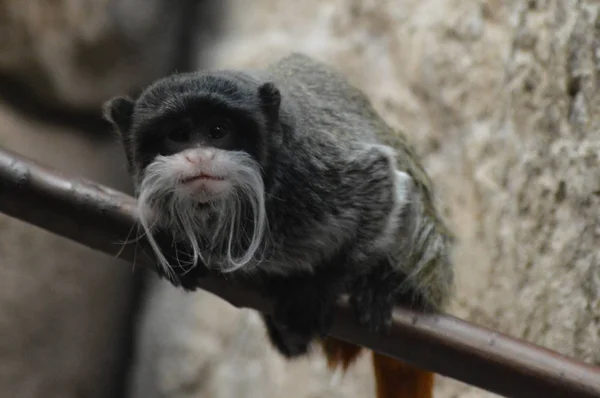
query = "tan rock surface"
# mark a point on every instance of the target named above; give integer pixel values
(63, 307)
(78, 53)
(499, 98)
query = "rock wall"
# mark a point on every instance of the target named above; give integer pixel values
(65, 310)
(78, 53)
(499, 98)
(63, 307)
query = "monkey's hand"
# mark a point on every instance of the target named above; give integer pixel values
(375, 292)
(303, 310)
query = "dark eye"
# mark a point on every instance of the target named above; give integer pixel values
(219, 130)
(179, 135)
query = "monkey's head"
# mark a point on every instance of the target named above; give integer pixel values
(197, 146)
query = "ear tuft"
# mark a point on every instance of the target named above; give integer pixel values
(118, 111)
(270, 99)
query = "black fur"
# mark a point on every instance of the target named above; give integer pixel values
(179, 258)
(303, 310)
(185, 102)
(270, 99)
(374, 294)
(119, 111)
(304, 304)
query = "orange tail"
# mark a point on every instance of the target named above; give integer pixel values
(393, 379)
(340, 353)
(399, 380)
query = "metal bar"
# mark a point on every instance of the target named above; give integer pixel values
(102, 219)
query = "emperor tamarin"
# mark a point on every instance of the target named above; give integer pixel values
(287, 179)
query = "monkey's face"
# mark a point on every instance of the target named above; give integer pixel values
(195, 148)
(200, 155)
(200, 178)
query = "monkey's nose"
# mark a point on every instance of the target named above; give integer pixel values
(199, 156)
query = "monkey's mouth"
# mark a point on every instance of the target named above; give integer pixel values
(201, 176)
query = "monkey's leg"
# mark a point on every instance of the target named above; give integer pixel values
(303, 310)
(288, 343)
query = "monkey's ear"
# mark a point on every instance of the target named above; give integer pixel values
(270, 99)
(118, 111)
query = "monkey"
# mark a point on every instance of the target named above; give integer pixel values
(286, 179)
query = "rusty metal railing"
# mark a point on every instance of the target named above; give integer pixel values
(102, 219)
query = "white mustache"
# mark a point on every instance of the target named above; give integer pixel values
(162, 203)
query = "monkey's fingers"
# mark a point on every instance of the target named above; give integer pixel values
(373, 308)
(373, 298)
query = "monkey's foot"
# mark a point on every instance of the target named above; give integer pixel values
(303, 310)
(289, 344)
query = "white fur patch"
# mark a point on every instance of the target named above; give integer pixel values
(403, 187)
(174, 204)
(401, 198)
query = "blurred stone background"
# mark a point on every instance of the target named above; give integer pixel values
(497, 96)
(66, 311)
